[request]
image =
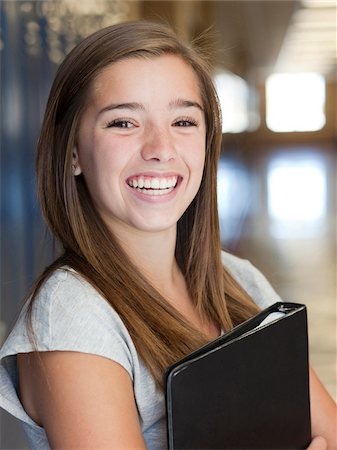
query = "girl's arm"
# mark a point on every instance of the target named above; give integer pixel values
(82, 400)
(87, 401)
(323, 412)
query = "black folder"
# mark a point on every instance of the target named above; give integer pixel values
(248, 389)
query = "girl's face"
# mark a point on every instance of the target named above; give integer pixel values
(141, 143)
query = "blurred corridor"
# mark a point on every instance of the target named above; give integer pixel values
(297, 255)
(277, 173)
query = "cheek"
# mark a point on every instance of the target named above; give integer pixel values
(100, 156)
(197, 157)
(196, 165)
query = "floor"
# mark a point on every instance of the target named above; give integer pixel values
(305, 272)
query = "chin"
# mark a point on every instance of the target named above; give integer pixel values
(154, 226)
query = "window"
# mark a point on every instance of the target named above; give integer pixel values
(297, 195)
(233, 95)
(295, 102)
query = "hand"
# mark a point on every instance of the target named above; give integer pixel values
(318, 443)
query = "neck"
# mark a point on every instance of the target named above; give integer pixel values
(153, 254)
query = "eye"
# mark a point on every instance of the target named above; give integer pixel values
(120, 123)
(185, 122)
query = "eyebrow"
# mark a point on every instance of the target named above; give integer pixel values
(134, 106)
(182, 103)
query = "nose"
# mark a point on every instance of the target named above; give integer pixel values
(158, 145)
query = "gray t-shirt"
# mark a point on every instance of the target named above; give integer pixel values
(70, 315)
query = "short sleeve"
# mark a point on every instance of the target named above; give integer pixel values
(79, 319)
(251, 279)
(68, 315)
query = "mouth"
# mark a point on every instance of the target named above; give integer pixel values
(149, 185)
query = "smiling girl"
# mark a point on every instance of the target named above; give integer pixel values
(127, 165)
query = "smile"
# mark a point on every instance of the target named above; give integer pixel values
(153, 185)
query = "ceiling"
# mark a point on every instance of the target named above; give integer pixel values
(252, 38)
(257, 37)
(252, 32)
(310, 43)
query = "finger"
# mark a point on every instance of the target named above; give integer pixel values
(318, 443)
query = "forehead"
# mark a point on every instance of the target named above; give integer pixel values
(140, 76)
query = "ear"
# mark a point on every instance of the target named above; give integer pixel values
(75, 164)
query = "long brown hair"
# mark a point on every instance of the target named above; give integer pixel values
(160, 334)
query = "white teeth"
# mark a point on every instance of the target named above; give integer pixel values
(140, 182)
(163, 183)
(153, 186)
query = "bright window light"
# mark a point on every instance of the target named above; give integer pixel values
(233, 95)
(295, 102)
(297, 196)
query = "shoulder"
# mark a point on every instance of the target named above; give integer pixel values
(68, 296)
(80, 319)
(68, 314)
(251, 279)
